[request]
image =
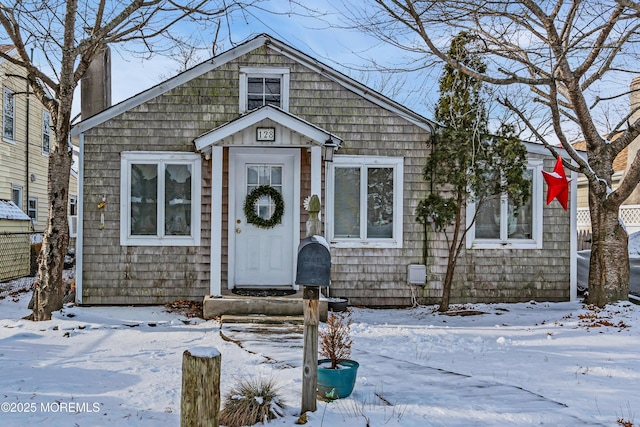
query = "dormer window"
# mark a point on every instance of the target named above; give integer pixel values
(263, 86)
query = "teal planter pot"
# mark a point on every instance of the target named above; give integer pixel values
(336, 383)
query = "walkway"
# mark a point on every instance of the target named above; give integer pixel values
(382, 380)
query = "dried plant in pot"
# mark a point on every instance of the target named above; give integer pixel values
(336, 372)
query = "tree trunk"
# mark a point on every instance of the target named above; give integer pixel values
(49, 289)
(454, 251)
(609, 263)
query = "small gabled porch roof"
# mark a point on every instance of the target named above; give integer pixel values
(311, 133)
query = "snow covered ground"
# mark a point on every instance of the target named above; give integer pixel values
(555, 364)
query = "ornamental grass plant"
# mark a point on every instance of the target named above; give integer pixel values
(252, 401)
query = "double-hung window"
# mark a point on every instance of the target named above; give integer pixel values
(160, 194)
(263, 86)
(16, 195)
(46, 132)
(32, 209)
(8, 115)
(500, 225)
(364, 201)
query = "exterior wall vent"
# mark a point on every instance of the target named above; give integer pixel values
(416, 274)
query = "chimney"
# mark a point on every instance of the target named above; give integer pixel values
(95, 87)
(634, 98)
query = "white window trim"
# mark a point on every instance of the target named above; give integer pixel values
(156, 157)
(398, 179)
(73, 201)
(281, 73)
(19, 189)
(35, 200)
(46, 131)
(6, 91)
(535, 165)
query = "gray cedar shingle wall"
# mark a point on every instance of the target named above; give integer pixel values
(509, 275)
(130, 275)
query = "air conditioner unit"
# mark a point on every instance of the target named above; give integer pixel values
(73, 226)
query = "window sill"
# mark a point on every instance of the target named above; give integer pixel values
(165, 241)
(488, 244)
(374, 244)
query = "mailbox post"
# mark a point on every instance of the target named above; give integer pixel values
(313, 271)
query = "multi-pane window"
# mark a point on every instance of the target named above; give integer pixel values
(161, 199)
(32, 209)
(8, 115)
(270, 175)
(263, 86)
(366, 201)
(16, 195)
(46, 132)
(499, 223)
(263, 91)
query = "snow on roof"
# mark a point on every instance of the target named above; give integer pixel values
(8, 210)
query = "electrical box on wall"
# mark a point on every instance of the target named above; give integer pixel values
(416, 274)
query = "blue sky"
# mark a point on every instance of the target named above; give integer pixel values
(332, 46)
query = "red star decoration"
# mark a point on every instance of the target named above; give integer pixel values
(558, 184)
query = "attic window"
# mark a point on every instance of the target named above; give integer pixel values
(264, 86)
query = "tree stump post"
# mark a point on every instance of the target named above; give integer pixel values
(200, 397)
(311, 298)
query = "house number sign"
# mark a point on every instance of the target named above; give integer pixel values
(266, 134)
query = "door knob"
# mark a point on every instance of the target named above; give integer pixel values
(238, 230)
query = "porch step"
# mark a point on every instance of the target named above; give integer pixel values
(260, 319)
(266, 306)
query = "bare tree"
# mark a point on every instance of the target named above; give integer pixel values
(562, 59)
(67, 34)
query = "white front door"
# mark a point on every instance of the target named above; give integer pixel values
(258, 256)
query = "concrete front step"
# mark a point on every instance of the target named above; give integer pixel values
(267, 306)
(260, 319)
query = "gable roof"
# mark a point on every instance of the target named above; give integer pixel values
(238, 51)
(288, 120)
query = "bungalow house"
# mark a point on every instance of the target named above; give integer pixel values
(196, 186)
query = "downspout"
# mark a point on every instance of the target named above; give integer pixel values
(80, 213)
(27, 177)
(26, 148)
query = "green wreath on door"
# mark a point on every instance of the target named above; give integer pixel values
(250, 207)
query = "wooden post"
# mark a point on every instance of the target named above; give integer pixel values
(200, 405)
(311, 298)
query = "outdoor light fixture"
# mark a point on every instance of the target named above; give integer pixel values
(328, 149)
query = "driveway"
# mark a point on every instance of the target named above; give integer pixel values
(583, 272)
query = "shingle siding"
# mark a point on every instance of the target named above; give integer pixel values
(117, 274)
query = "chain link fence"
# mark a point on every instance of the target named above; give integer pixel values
(18, 261)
